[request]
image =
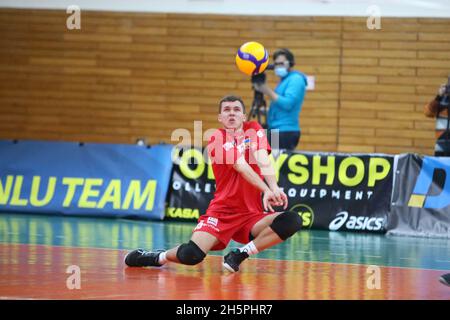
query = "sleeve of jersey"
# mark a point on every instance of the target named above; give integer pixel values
(222, 152)
(261, 137)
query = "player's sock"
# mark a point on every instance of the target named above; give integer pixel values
(162, 258)
(250, 248)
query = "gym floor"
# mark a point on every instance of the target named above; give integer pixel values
(37, 250)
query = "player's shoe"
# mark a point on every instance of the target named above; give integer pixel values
(143, 258)
(445, 279)
(233, 259)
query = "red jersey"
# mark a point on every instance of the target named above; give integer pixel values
(233, 193)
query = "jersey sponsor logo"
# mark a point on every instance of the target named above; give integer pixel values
(356, 223)
(213, 221)
(244, 145)
(228, 146)
(199, 225)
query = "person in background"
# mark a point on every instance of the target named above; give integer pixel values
(439, 108)
(286, 101)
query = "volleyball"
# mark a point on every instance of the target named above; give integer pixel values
(252, 58)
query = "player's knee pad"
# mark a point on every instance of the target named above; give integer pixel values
(286, 224)
(190, 254)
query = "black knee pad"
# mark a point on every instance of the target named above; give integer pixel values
(287, 224)
(190, 253)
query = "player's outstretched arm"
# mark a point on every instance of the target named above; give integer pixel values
(244, 169)
(249, 174)
(267, 169)
(268, 172)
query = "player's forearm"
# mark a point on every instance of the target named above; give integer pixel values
(244, 169)
(271, 181)
(267, 169)
(268, 172)
(251, 177)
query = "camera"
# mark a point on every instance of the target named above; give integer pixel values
(261, 77)
(259, 106)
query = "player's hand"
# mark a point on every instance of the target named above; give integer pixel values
(281, 198)
(268, 198)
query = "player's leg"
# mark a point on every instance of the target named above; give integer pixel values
(267, 232)
(262, 234)
(190, 253)
(275, 228)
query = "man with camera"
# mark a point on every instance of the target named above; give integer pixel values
(286, 100)
(439, 108)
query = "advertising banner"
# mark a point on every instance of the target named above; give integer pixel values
(84, 179)
(331, 191)
(421, 197)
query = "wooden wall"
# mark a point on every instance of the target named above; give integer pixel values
(129, 75)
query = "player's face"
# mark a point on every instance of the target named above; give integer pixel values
(232, 115)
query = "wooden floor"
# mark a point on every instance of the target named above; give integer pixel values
(33, 265)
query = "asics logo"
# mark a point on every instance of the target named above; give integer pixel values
(356, 223)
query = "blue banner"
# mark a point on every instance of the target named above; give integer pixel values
(421, 197)
(84, 179)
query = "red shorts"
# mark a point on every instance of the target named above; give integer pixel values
(226, 226)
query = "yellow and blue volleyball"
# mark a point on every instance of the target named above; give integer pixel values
(252, 58)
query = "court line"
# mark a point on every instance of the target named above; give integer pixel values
(216, 255)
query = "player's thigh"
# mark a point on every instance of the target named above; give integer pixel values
(204, 240)
(263, 223)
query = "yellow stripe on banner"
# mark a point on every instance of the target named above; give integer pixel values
(416, 200)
